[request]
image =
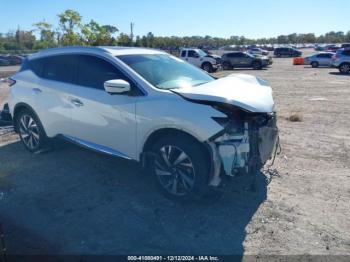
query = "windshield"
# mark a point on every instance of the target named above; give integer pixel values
(201, 52)
(165, 71)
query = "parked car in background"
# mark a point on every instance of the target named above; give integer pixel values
(258, 51)
(187, 128)
(267, 57)
(287, 51)
(12, 59)
(4, 62)
(341, 60)
(243, 60)
(345, 45)
(319, 59)
(332, 48)
(201, 59)
(319, 48)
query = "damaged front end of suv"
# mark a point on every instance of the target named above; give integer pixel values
(245, 144)
(249, 134)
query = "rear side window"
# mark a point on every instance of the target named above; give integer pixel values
(235, 55)
(183, 53)
(60, 68)
(323, 56)
(94, 71)
(36, 65)
(346, 52)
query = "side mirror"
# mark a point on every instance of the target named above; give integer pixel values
(116, 86)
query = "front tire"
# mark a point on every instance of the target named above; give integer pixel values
(31, 132)
(207, 67)
(180, 167)
(344, 68)
(256, 65)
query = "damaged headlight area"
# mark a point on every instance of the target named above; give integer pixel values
(246, 142)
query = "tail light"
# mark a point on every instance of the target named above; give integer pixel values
(10, 81)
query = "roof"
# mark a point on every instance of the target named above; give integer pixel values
(112, 50)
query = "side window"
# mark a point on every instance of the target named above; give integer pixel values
(183, 53)
(36, 65)
(59, 68)
(231, 55)
(94, 71)
(346, 52)
(192, 53)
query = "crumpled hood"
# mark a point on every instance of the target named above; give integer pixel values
(245, 91)
(213, 56)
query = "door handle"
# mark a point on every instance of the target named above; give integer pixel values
(76, 102)
(37, 90)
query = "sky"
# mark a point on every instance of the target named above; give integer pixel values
(222, 18)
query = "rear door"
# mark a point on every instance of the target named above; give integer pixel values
(246, 60)
(324, 59)
(51, 92)
(99, 119)
(183, 55)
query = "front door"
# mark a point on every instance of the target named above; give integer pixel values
(101, 120)
(193, 58)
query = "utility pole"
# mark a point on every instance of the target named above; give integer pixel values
(132, 31)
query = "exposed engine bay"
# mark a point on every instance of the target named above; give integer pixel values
(246, 143)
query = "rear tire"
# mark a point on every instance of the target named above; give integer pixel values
(314, 64)
(344, 68)
(31, 131)
(180, 168)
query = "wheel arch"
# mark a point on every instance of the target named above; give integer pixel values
(205, 62)
(344, 63)
(17, 109)
(157, 134)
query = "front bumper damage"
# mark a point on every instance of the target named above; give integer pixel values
(244, 146)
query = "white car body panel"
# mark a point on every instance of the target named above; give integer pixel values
(175, 113)
(104, 119)
(247, 92)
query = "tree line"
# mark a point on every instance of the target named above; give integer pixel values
(72, 31)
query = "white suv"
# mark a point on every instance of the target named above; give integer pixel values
(186, 127)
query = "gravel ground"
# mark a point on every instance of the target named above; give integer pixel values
(73, 201)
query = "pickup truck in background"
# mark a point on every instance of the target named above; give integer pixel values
(201, 59)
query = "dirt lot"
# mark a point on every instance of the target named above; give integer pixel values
(73, 201)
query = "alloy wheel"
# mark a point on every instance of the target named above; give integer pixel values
(29, 132)
(345, 68)
(174, 170)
